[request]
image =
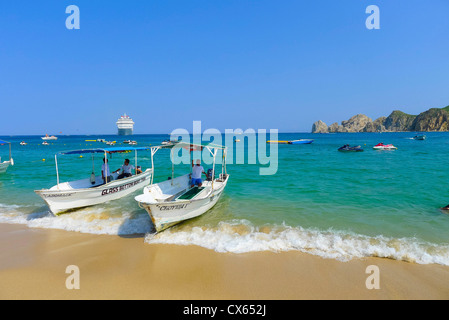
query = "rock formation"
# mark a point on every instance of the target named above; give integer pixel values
(320, 127)
(434, 119)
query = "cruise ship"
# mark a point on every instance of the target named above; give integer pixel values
(125, 125)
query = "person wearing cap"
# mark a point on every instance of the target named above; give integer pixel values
(197, 170)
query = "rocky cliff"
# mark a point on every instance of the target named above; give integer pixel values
(434, 119)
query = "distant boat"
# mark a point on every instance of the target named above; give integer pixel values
(47, 137)
(348, 148)
(125, 125)
(382, 146)
(301, 141)
(45, 143)
(420, 137)
(23, 143)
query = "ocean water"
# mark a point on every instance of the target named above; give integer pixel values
(321, 201)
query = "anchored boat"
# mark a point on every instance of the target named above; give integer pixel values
(174, 200)
(47, 137)
(382, 146)
(5, 164)
(300, 141)
(348, 148)
(420, 137)
(94, 190)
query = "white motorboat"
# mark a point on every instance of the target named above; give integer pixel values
(382, 146)
(174, 200)
(47, 137)
(23, 143)
(45, 143)
(5, 164)
(91, 191)
(166, 142)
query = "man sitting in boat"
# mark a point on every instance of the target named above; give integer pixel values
(126, 170)
(105, 173)
(197, 170)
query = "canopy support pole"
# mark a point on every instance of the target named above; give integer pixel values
(57, 171)
(172, 167)
(135, 162)
(106, 165)
(213, 168)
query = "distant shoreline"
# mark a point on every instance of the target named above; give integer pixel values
(432, 120)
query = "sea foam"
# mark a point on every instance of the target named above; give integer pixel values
(240, 236)
(94, 220)
(235, 236)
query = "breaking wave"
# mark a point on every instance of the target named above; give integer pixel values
(94, 220)
(240, 236)
(235, 236)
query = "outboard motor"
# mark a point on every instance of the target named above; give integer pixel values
(209, 175)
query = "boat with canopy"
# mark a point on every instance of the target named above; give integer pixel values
(5, 164)
(65, 196)
(175, 200)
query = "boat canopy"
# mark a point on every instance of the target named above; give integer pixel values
(105, 150)
(194, 146)
(211, 147)
(4, 142)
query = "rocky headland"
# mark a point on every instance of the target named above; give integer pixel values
(435, 119)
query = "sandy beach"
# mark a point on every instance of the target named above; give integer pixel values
(33, 265)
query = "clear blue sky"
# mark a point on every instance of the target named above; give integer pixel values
(229, 63)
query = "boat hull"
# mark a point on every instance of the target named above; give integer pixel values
(4, 166)
(384, 148)
(60, 201)
(302, 141)
(125, 132)
(167, 214)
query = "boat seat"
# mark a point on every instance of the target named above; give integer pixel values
(190, 194)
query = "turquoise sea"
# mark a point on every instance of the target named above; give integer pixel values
(320, 201)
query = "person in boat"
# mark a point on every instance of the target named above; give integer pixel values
(105, 173)
(126, 169)
(197, 170)
(139, 170)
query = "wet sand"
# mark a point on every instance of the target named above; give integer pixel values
(33, 265)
